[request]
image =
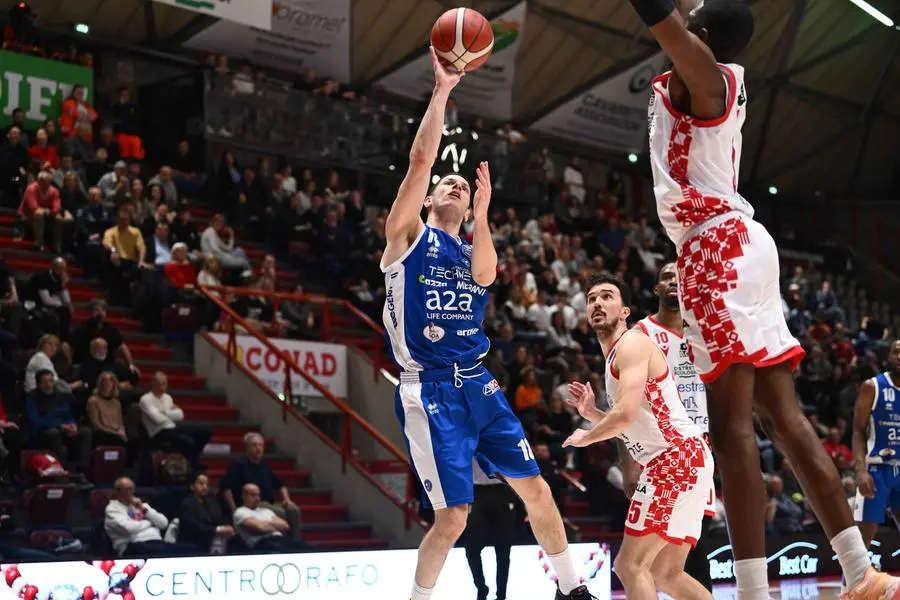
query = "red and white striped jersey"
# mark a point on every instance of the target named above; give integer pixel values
(681, 362)
(696, 163)
(661, 423)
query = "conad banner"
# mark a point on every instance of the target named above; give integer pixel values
(38, 86)
(373, 575)
(253, 13)
(610, 115)
(326, 363)
(486, 92)
(305, 34)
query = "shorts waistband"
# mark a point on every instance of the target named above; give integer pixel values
(699, 228)
(456, 373)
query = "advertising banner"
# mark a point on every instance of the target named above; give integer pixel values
(253, 13)
(326, 363)
(611, 115)
(486, 92)
(373, 575)
(38, 86)
(305, 34)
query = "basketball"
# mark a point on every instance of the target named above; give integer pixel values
(462, 38)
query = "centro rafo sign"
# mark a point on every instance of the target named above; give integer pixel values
(375, 575)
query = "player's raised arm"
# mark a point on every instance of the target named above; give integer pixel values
(695, 63)
(861, 415)
(484, 255)
(404, 220)
(633, 354)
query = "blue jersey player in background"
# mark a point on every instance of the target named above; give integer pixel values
(451, 409)
(876, 447)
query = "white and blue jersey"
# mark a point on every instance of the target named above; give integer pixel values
(882, 453)
(434, 309)
(450, 407)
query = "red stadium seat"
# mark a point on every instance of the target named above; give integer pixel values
(47, 503)
(107, 464)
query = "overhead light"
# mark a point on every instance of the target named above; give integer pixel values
(773, 190)
(874, 12)
(82, 28)
(632, 157)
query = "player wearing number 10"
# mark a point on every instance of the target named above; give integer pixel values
(876, 447)
(450, 407)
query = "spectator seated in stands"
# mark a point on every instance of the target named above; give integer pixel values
(164, 180)
(260, 528)
(96, 326)
(52, 303)
(81, 147)
(77, 114)
(300, 317)
(115, 184)
(41, 209)
(43, 360)
(14, 163)
(91, 223)
(135, 528)
(200, 519)
(42, 152)
(127, 254)
(188, 177)
(49, 423)
(18, 121)
(108, 143)
(11, 312)
(180, 271)
(218, 241)
(259, 311)
(159, 252)
(783, 515)
(105, 413)
(163, 420)
(252, 468)
(183, 230)
(10, 450)
(101, 360)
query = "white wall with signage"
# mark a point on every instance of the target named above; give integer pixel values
(304, 34)
(487, 91)
(373, 575)
(611, 115)
(252, 13)
(326, 363)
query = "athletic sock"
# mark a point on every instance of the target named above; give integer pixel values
(752, 579)
(565, 571)
(852, 554)
(420, 593)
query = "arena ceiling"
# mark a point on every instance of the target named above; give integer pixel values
(823, 77)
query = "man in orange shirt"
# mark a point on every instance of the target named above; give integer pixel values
(41, 205)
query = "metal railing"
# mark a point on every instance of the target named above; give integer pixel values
(292, 370)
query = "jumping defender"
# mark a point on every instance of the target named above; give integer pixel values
(728, 287)
(450, 407)
(666, 512)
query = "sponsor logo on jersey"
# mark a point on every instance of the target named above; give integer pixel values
(391, 306)
(432, 282)
(471, 287)
(467, 251)
(432, 409)
(685, 370)
(466, 332)
(427, 485)
(458, 273)
(434, 244)
(742, 96)
(491, 388)
(433, 333)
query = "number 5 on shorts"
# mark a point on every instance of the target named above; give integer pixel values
(634, 512)
(525, 447)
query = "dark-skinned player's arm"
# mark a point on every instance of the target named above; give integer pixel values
(404, 222)
(633, 362)
(861, 415)
(695, 65)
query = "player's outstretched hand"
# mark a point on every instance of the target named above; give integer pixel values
(482, 200)
(866, 484)
(581, 396)
(577, 439)
(444, 78)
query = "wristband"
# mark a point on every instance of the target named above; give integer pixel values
(652, 12)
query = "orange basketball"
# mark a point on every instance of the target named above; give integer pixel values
(462, 39)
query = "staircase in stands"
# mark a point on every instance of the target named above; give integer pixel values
(325, 523)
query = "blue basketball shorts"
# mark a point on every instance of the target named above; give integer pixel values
(887, 493)
(450, 417)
